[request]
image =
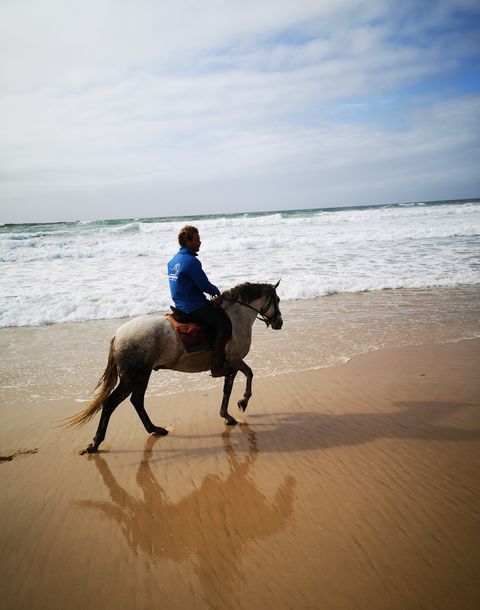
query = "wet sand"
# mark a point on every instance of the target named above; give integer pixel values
(350, 487)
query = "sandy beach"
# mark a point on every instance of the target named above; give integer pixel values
(347, 487)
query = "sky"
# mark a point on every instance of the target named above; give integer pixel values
(137, 108)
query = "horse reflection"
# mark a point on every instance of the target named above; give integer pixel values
(213, 524)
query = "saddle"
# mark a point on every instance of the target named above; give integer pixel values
(195, 338)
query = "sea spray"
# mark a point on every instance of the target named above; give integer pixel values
(62, 272)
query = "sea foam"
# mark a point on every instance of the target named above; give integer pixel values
(106, 269)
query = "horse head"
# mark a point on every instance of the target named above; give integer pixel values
(276, 320)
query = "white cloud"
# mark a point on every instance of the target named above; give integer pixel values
(106, 103)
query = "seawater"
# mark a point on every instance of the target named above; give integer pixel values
(86, 270)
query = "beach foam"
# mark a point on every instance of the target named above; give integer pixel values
(106, 269)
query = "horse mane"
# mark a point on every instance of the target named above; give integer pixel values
(246, 292)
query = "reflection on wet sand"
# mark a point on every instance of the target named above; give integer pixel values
(213, 525)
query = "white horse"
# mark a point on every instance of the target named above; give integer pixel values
(150, 343)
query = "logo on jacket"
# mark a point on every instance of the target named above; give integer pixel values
(173, 275)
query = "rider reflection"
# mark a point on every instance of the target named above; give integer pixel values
(212, 525)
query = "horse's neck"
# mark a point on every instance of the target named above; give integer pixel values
(242, 319)
(241, 316)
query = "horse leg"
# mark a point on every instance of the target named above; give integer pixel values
(247, 371)
(227, 390)
(116, 397)
(137, 400)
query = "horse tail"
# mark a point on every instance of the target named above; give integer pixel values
(104, 388)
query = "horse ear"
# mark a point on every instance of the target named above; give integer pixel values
(276, 285)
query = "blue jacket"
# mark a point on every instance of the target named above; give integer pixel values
(188, 281)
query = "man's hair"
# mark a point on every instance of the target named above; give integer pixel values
(186, 234)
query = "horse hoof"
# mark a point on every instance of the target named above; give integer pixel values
(242, 405)
(159, 431)
(89, 449)
(231, 421)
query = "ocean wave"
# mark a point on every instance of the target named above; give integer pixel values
(241, 222)
(131, 227)
(106, 269)
(28, 311)
(315, 290)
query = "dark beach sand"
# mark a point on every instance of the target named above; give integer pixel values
(350, 487)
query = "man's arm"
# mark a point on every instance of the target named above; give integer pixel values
(199, 277)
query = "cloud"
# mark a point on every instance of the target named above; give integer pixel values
(109, 103)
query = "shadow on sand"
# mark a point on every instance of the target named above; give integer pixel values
(311, 430)
(213, 524)
(300, 431)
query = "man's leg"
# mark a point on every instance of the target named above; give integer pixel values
(220, 322)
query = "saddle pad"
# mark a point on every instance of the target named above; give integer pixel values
(191, 334)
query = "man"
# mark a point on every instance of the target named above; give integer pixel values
(188, 283)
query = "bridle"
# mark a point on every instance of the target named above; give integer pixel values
(262, 313)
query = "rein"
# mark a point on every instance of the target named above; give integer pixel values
(261, 312)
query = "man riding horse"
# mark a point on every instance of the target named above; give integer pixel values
(148, 343)
(188, 283)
